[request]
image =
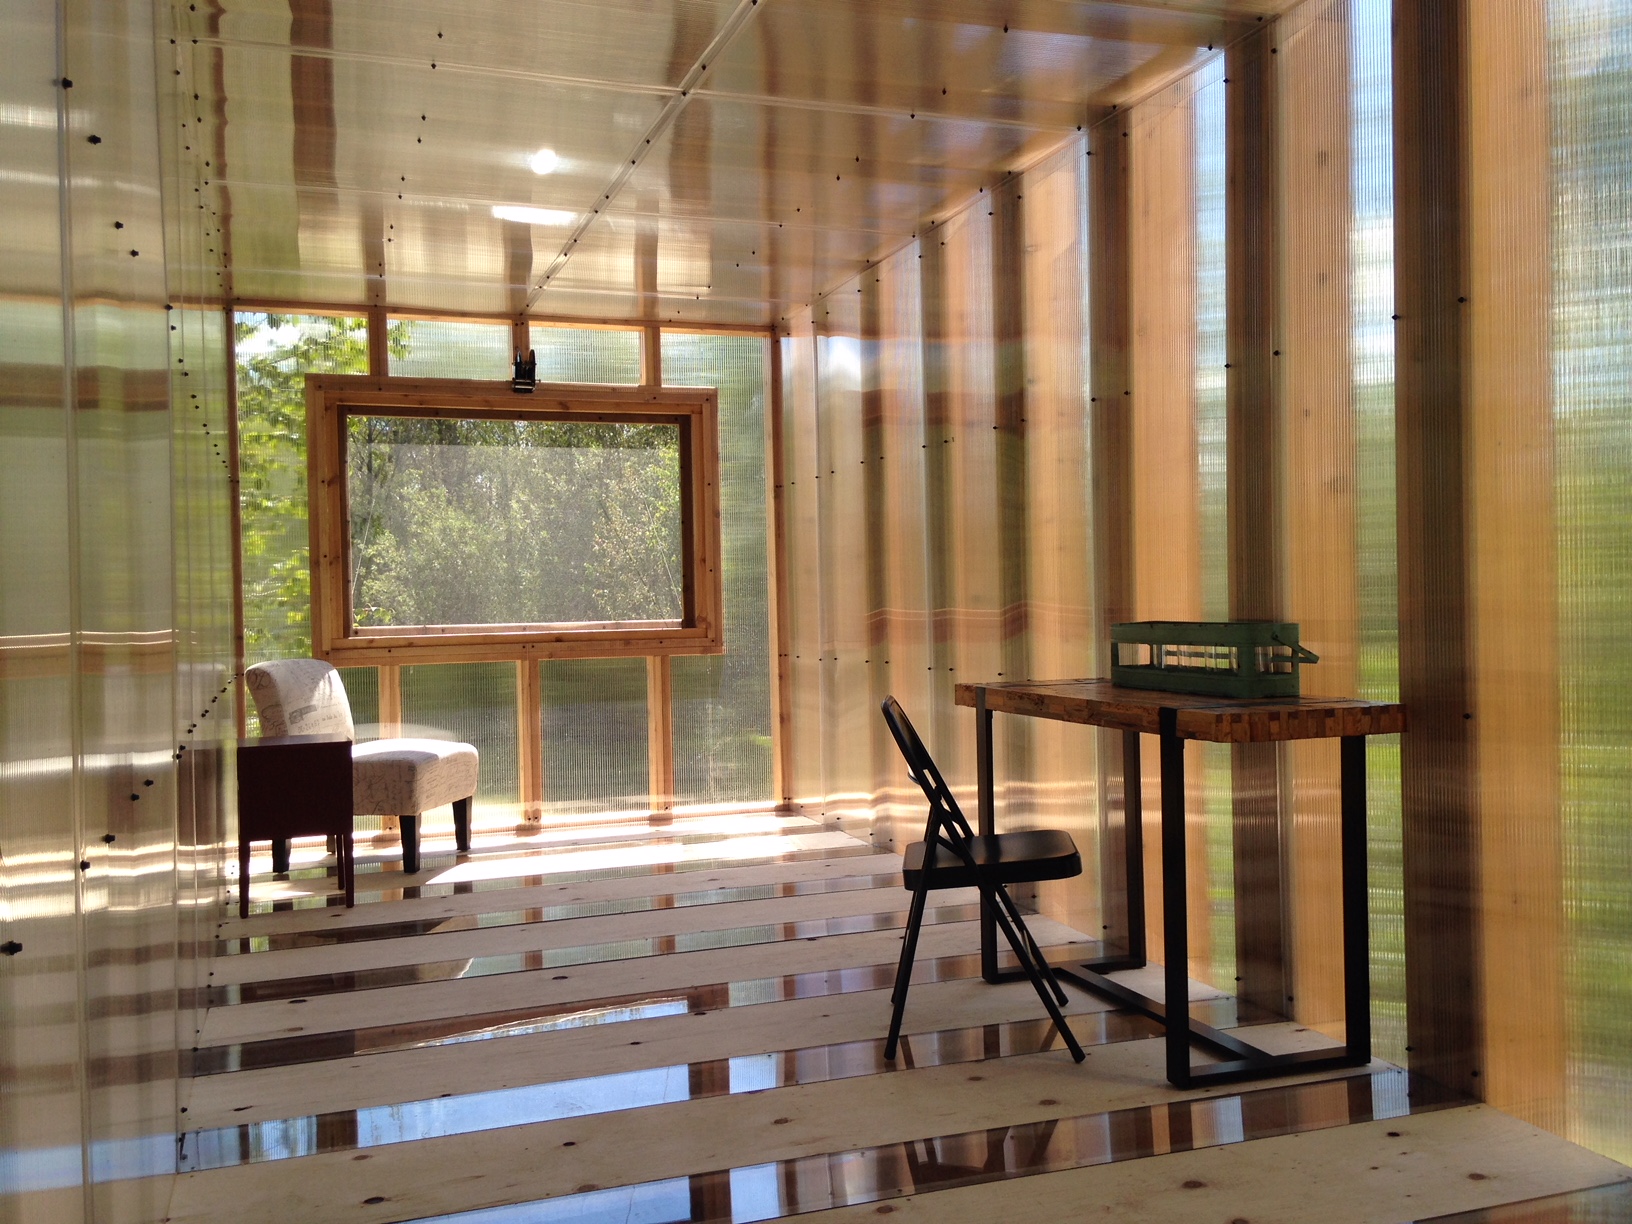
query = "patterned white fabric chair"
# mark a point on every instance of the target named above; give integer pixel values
(390, 777)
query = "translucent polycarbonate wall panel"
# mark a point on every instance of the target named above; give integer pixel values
(126, 618)
(901, 626)
(96, 476)
(722, 703)
(594, 728)
(1589, 47)
(474, 703)
(1371, 382)
(847, 739)
(275, 352)
(445, 348)
(806, 576)
(40, 1116)
(1061, 789)
(1209, 773)
(1208, 101)
(587, 355)
(1336, 208)
(204, 582)
(1167, 190)
(363, 695)
(966, 549)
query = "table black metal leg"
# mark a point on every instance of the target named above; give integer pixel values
(1175, 912)
(1090, 973)
(1356, 916)
(1238, 1059)
(1133, 847)
(987, 805)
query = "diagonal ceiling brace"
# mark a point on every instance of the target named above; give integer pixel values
(733, 25)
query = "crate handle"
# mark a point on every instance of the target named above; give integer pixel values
(1300, 654)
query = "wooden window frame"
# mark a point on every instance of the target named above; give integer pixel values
(331, 398)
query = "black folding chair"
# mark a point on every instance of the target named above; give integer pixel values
(953, 856)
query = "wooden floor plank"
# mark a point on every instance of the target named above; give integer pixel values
(330, 1013)
(566, 933)
(1386, 1172)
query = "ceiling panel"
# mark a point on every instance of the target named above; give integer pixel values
(413, 131)
(622, 42)
(707, 270)
(1034, 64)
(811, 138)
(748, 161)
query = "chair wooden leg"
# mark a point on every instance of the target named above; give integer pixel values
(461, 824)
(280, 856)
(410, 843)
(243, 879)
(903, 970)
(1036, 975)
(348, 864)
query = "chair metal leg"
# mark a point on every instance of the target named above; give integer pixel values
(903, 970)
(909, 944)
(1036, 976)
(1031, 943)
(461, 824)
(410, 843)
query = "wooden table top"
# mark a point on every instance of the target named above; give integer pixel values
(1099, 703)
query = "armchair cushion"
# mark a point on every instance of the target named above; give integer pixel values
(300, 697)
(404, 777)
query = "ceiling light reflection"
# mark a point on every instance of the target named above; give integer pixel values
(533, 216)
(544, 161)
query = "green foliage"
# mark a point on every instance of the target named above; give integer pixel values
(275, 353)
(513, 522)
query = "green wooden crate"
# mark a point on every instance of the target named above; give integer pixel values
(1212, 658)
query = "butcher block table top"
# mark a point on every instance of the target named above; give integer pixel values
(1099, 703)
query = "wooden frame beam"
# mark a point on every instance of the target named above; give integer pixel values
(236, 527)
(659, 670)
(1439, 823)
(530, 739)
(782, 770)
(596, 323)
(1110, 411)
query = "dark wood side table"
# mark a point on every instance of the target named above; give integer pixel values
(1174, 718)
(294, 786)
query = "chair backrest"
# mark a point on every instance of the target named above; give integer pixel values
(946, 826)
(300, 697)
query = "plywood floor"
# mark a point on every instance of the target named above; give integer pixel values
(635, 1024)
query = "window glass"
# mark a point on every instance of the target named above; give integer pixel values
(474, 703)
(484, 522)
(593, 720)
(442, 348)
(275, 353)
(586, 355)
(722, 703)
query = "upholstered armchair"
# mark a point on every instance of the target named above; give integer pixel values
(390, 777)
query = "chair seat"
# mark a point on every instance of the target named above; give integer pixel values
(404, 777)
(1002, 858)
